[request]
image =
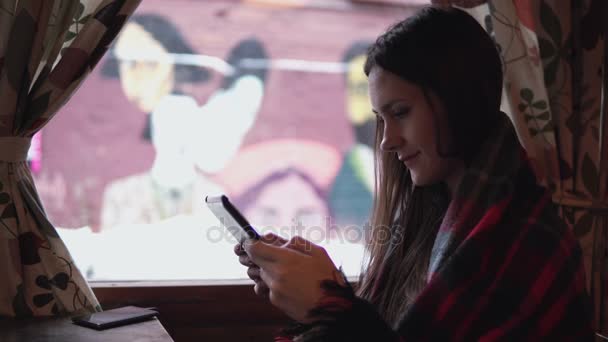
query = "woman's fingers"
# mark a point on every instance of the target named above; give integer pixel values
(245, 260)
(288, 274)
(254, 273)
(239, 250)
(260, 252)
(261, 289)
(273, 239)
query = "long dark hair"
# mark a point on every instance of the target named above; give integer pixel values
(446, 52)
(249, 48)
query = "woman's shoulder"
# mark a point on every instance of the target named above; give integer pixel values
(533, 228)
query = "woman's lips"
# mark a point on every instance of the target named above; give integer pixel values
(409, 157)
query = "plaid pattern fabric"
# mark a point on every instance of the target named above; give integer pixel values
(503, 268)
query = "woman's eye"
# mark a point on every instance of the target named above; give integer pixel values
(401, 113)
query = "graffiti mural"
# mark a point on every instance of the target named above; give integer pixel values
(351, 192)
(200, 98)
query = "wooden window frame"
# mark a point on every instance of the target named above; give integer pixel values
(201, 310)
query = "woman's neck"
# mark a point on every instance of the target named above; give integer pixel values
(454, 178)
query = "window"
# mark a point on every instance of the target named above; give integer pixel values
(265, 103)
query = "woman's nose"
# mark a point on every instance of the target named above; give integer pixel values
(391, 140)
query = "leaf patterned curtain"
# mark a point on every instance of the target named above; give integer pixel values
(47, 48)
(554, 55)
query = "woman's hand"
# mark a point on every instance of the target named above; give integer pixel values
(292, 273)
(253, 271)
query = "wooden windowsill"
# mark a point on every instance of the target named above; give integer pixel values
(200, 310)
(179, 283)
(168, 283)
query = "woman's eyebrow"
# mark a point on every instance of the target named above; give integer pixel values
(387, 105)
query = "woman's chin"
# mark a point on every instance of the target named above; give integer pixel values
(419, 180)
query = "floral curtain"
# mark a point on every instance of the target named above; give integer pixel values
(554, 55)
(47, 48)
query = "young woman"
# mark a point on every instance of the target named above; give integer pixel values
(464, 245)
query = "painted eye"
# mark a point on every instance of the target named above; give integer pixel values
(126, 64)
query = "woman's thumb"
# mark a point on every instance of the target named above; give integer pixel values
(273, 239)
(300, 244)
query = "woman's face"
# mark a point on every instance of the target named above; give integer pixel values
(410, 127)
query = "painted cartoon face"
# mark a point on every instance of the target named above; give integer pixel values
(145, 82)
(411, 126)
(357, 102)
(288, 201)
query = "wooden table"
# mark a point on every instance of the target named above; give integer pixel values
(63, 330)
